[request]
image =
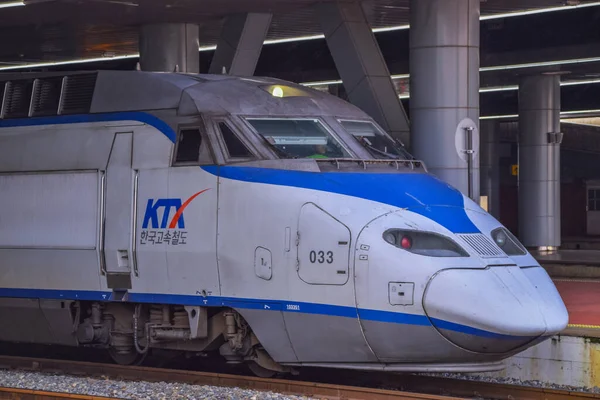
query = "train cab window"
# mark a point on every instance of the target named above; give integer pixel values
(299, 138)
(192, 148)
(188, 146)
(379, 144)
(234, 145)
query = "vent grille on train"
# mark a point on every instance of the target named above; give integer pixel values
(482, 245)
(17, 97)
(77, 94)
(46, 96)
(53, 95)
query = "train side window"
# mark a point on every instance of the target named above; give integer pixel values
(188, 146)
(192, 148)
(235, 147)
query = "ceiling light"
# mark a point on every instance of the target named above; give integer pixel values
(12, 4)
(595, 112)
(540, 64)
(78, 61)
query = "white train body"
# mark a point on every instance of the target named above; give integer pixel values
(145, 210)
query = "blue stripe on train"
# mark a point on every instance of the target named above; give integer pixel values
(423, 194)
(254, 304)
(87, 118)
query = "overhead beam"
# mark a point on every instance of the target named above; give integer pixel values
(361, 66)
(240, 44)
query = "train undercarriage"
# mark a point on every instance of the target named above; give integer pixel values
(129, 332)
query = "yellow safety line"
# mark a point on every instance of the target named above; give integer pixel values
(583, 326)
(590, 280)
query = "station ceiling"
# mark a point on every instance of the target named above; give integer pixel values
(517, 37)
(58, 30)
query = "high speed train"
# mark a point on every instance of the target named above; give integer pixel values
(267, 222)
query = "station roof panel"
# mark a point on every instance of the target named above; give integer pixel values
(56, 30)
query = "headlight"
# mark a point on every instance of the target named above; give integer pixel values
(508, 242)
(424, 243)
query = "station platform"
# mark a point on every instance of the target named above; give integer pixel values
(569, 257)
(582, 298)
(576, 274)
(570, 264)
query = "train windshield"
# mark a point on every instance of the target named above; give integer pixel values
(299, 138)
(379, 144)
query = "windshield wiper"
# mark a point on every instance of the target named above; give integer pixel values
(402, 149)
(367, 143)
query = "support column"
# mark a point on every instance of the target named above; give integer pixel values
(489, 165)
(361, 66)
(539, 161)
(169, 47)
(444, 90)
(240, 44)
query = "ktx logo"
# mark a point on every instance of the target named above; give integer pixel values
(152, 207)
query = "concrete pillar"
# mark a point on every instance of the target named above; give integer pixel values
(169, 47)
(240, 44)
(361, 66)
(489, 165)
(444, 89)
(539, 161)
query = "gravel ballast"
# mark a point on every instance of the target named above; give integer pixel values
(129, 389)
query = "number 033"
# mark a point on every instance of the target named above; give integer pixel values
(321, 256)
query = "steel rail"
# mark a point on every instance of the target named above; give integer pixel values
(27, 394)
(488, 390)
(134, 373)
(422, 387)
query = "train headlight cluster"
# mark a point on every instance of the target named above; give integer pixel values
(508, 242)
(424, 243)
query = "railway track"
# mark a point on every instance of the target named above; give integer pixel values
(417, 387)
(24, 394)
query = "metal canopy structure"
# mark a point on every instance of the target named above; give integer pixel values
(58, 30)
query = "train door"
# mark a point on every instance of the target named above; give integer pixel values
(323, 323)
(323, 247)
(593, 208)
(177, 217)
(251, 267)
(118, 217)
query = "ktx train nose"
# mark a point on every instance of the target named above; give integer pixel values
(494, 310)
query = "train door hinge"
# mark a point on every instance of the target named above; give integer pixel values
(297, 264)
(297, 238)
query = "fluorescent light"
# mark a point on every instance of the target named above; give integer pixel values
(577, 112)
(498, 88)
(294, 39)
(540, 64)
(391, 28)
(481, 90)
(12, 4)
(581, 82)
(79, 61)
(562, 114)
(538, 11)
(500, 116)
(320, 83)
(407, 26)
(207, 48)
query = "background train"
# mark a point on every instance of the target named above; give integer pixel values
(274, 224)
